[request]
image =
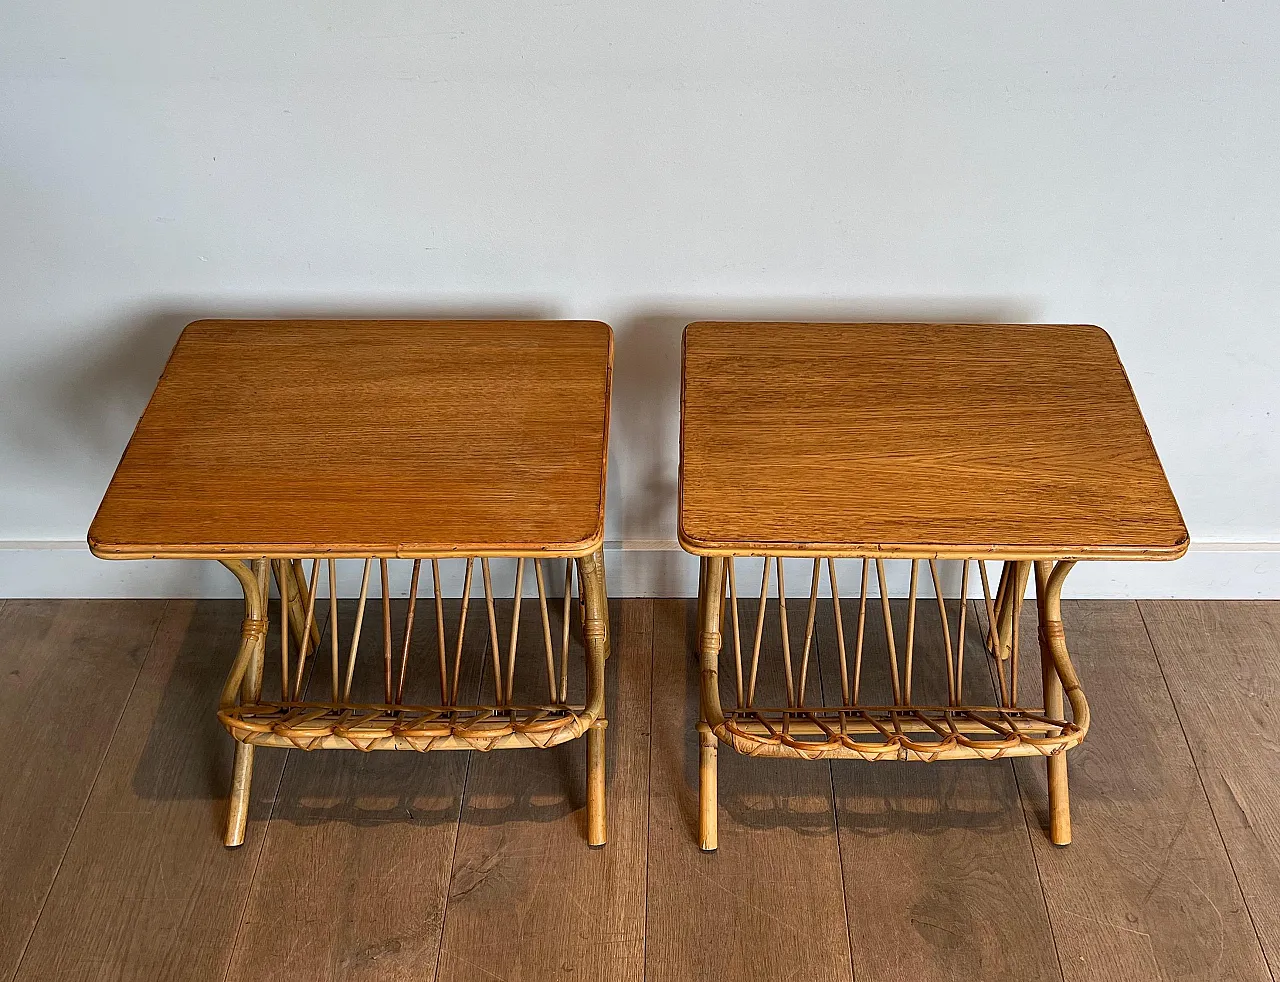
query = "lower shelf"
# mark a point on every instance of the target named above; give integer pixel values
(897, 732)
(317, 726)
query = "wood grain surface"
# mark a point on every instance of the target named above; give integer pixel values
(1013, 441)
(82, 656)
(1222, 663)
(935, 872)
(386, 438)
(939, 877)
(1145, 891)
(527, 899)
(769, 903)
(146, 889)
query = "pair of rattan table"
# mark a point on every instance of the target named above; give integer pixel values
(423, 463)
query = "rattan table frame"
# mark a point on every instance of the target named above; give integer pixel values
(282, 449)
(918, 445)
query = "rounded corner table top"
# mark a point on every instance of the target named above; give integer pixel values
(1017, 441)
(387, 438)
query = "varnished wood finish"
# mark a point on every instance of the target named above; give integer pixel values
(1222, 663)
(357, 438)
(1011, 441)
(1147, 891)
(353, 862)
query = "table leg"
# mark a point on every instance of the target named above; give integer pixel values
(596, 632)
(1053, 641)
(253, 639)
(702, 589)
(710, 601)
(597, 831)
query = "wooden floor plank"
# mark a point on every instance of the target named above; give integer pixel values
(529, 899)
(355, 868)
(1222, 663)
(146, 890)
(1145, 890)
(355, 862)
(939, 876)
(66, 670)
(768, 904)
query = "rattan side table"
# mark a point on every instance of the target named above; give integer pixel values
(915, 444)
(288, 448)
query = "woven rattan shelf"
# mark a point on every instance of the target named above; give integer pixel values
(922, 449)
(422, 457)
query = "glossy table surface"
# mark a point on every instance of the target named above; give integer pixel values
(917, 440)
(368, 438)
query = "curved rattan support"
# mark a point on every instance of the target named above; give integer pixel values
(393, 725)
(902, 730)
(245, 682)
(1059, 679)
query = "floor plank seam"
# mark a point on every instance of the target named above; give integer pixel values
(844, 896)
(257, 865)
(1035, 858)
(124, 705)
(457, 826)
(266, 832)
(453, 858)
(980, 618)
(1155, 652)
(835, 810)
(648, 800)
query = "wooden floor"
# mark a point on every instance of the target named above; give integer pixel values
(469, 866)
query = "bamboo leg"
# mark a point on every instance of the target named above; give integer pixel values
(708, 821)
(702, 589)
(595, 629)
(1051, 633)
(238, 807)
(252, 635)
(596, 832)
(712, 597)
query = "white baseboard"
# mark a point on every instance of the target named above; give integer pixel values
(636, 568)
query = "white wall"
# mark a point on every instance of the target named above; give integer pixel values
(1109, 161)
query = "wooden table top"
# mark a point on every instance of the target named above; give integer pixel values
(359, 438)
(917, 440)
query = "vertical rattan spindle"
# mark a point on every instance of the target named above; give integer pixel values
(355, 631)
(515, 628)
(462, 629)
(386, 629)
(888, 633)
(408, 633)
(755, 650)
(437, 594)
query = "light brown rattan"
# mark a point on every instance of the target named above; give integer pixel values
(343, 724)
(902, 729)
(394, 441)
(1020, 443)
